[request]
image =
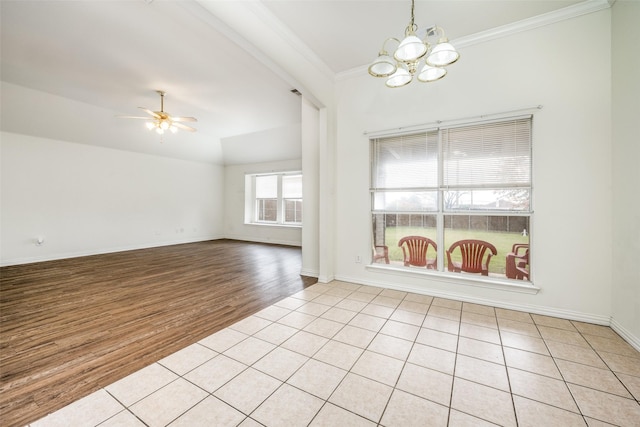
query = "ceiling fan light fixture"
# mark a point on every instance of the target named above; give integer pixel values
(161, 121)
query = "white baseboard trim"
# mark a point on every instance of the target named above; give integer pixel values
(633, 340)
(309, 273)
(54, 257)
(547, 311)
(327, 279)
(244, 238)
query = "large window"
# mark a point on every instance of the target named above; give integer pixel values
(467, 189)
(274, 198)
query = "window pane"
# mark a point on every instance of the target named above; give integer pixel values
(389, 229)
(488, 154)
(293, 211)
(500, 200)
(266, 187)
(268, 210)
(503, 232)
(412, 201)
(292, 186)
(408, 161)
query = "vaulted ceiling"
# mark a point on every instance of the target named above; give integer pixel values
(69, 67)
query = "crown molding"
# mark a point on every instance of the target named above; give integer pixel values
(578, 9)
(207, 14)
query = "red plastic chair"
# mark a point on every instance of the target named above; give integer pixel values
(473, 256)
(415, 250)
(381, 252)
(516, 263)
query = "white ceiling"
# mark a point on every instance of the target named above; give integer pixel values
(104, 58)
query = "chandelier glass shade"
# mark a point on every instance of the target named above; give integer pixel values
(413, 55)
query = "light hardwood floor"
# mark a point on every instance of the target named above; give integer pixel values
(69, 327)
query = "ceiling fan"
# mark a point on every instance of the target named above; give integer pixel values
(161, 121)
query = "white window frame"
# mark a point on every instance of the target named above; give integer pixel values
(441, 211)
(252, 202)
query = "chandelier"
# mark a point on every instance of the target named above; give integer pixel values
(408, 57)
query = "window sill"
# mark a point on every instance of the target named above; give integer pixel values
(269, 224)
(458, 278)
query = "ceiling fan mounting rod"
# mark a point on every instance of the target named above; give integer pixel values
(161, 92)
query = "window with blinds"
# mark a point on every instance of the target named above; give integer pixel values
(267, 198)
(455, 183)
(405, 173)
(487, 166)
(274, 198)
(292, 198)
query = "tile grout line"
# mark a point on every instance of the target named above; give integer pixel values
(455, 365)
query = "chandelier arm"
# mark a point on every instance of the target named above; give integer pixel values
(443, 36)
(384, 50)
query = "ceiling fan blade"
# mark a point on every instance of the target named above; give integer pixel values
(183, 127)
(149, 112)
(133, 117)
(184, 119)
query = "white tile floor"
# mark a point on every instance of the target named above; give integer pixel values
(340, 354)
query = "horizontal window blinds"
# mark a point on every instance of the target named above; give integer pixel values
(487, 155)
(292, 186)
(480, 166)
(267, 187)
(405, 162)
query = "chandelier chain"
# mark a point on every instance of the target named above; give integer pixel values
(412, 25)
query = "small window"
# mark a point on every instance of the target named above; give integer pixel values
(274, 199)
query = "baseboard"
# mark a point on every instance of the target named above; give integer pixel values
(309, 273)
(547, 311)
(263, 240)
(326, 279)
(54, 257)
(633, 340)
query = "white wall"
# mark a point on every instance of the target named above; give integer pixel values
(234, 200)
(626, 174)
(271, 145)
(566, 68)
(84, 199)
